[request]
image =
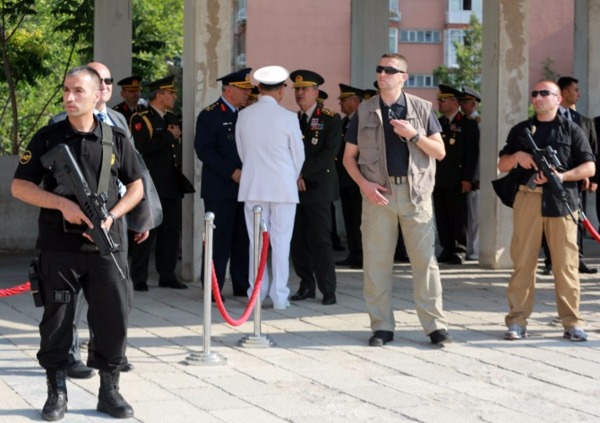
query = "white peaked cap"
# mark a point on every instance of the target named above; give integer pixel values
(271, 75)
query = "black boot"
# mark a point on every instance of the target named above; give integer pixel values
(109, 399)
(56, 404)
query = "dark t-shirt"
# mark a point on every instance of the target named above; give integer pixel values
(572, 149)
(396, 152)
(54, 232)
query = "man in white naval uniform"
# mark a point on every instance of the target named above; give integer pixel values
(269, 143)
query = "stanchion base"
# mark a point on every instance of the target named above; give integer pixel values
(251, 341)
(205, 359)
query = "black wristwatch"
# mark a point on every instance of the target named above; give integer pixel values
(415, 139)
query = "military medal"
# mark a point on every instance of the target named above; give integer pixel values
(314, 141)
(452, 141)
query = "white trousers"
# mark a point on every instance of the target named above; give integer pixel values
(279, 219)
(473, 208)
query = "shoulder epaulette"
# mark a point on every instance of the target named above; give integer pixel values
(327, 112)
(212, 106)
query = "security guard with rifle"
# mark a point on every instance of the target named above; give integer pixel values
(551, 154)
(81, 234)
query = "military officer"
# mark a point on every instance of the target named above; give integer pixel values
(157, 137)
(311, 250)
(350, 98)
(469, 101)
(221, 172)
(454, 175)
(131, 89)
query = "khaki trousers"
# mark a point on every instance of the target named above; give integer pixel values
(380, 234)
(561, 233)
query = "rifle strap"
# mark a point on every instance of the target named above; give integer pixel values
(107, 150)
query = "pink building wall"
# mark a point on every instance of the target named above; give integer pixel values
(315, 34)
(551, 35)
(311, 34)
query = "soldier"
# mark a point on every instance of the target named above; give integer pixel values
(156, 133)
(454, 176)
(312, 251)
(131, 89)
(221, 172)
(350, 98)
(468, 105)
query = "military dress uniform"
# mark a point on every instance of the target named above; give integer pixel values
(312, 250)
(216, 149)
(350, 195)
(461, 141)
(162, 153)
(131, 83)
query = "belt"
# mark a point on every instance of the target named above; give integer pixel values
(399, 180)
(525, 188)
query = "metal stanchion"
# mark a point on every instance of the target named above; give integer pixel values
(257, 340)
(207, 357)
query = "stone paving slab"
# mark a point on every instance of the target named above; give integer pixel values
(321, 369)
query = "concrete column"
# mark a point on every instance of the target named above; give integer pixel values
(504, 91)
(369, 39)
(207, 55)
(587, 58)
(112, 38)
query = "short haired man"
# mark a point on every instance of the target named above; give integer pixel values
(391, 147)
(539, 211)
(221, 172)
(269, 143)
(569, 91)
(69, 261)
(312, 249)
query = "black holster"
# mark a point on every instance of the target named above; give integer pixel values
(34, 281)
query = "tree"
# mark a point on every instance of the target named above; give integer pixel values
(34, 60)
(468, 59)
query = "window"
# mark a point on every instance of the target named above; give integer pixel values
(393, 47)
(421, 81)
(420, 36)
(452, 36)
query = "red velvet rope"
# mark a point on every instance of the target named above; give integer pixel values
(588, 226)
(255, 292)
(15, 290)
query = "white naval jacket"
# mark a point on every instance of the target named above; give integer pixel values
(269, 142)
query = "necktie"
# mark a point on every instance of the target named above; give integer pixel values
(101, 117)
(567, 115)
(303, 123)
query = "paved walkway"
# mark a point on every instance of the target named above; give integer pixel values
(321, 369)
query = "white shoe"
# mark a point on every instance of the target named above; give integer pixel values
(281, 306)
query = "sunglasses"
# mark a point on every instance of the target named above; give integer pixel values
(388, 69)
(543, 93)
(108, 81)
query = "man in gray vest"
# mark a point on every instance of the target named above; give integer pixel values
(398, 138)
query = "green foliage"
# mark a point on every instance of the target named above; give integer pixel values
(468, 59)
(548, 74)
(41, 39)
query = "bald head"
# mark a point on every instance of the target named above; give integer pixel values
(106, 83)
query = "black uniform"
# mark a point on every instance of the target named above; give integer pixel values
(461, 140)
(311, 249)
(351, 199)
(162, 153)
(69, 262)
(216, 149)
(127, 111)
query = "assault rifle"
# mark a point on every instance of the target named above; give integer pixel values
(61, 162)
(546, 161)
